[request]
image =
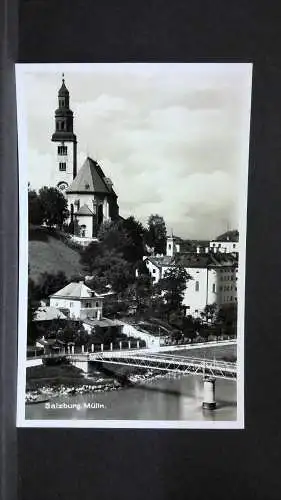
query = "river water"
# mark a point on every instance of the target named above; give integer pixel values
(175, 397)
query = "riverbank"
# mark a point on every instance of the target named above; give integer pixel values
(67, 380)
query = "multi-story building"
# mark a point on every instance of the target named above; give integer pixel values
(213, 276)
(78, 301)
(224, 246)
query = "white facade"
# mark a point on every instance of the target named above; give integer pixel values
(79, 300)
(154, 271)
(172, 247)
(224, 246)
(63, 158)
(207, 286)
(79, 308)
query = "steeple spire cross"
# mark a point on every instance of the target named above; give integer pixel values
(63, 78)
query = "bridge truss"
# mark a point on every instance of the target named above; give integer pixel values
(170, 363)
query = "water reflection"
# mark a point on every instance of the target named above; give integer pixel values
(173, 398)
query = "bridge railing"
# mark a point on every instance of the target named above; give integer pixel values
(115, 347)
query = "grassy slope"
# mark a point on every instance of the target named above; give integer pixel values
(50, 254)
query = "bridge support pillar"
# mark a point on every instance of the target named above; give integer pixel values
(101, 347)
(92, 347)
(138, 344)
(111, 346)
(129, 344)
(209, 402)
(72, 349)
(120, 345)
(82, 349)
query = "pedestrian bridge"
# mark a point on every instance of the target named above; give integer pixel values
(158, 358)
(165, 362)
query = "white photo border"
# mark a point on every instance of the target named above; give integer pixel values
(21, 421)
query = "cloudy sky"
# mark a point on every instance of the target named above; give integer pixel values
(172, 137)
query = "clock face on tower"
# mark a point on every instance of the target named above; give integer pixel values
(62, 186)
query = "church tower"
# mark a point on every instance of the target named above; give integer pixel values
(65, 141)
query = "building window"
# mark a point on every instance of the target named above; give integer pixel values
(170, 246)
(70, 304)
(221, 288)
(234, 246)
(62, 150)
(88, 304)
(97, 304)
(231, 298)
(197, 286)
(214, 288)
(154, 271)
(62, 166)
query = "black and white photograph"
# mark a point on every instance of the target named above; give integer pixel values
(133, 202)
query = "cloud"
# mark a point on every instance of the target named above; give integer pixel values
(170, 136)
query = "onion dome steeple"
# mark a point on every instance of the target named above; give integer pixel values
(63, 117)
(63, 91)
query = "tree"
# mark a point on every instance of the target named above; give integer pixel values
(50, 283)
(143, 291)
(227, 319)
(112, 236)
(35, 209)
(172, 287)
(156, 233)
(210, 313)
(189, 327)
(54, 206)
(115, 270)
(89, 256)
(136, 232)
(232, 235)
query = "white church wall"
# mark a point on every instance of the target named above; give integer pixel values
(86, 225)
(59, 175)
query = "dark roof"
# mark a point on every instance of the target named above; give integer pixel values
(161, 261)
(63, 90)
(84, 210)
(91, 179)
(193, 259)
